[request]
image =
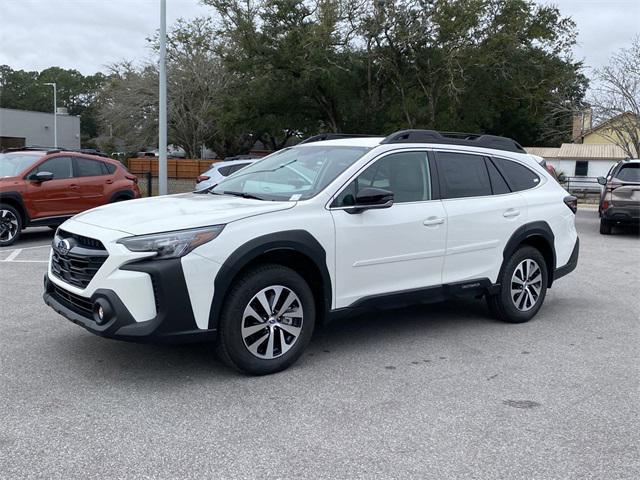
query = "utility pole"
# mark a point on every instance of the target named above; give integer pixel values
(55, 113)
(162, 120)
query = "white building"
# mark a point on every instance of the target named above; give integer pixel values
(20, 128)
(581, 159)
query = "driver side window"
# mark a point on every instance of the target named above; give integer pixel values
(59, 166)
(406, 174)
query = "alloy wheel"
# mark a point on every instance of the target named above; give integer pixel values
(272, 322)
(526, 285)
(8, 225)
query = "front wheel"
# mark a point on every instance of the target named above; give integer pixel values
(267, 320)
(523, 286)
(10, 225)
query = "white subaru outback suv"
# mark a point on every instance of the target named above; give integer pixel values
(330, 226)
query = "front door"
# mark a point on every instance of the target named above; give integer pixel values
(54, 197)
(395, 249)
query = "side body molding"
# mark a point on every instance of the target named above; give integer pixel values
(299, 241)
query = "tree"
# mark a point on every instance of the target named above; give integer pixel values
(195, 82)
(616, 99)
(24, 90)
(374, 66)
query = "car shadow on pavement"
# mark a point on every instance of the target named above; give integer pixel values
(172, 365)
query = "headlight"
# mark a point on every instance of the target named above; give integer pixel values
(172, 244)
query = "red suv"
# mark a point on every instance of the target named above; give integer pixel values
(44, 188)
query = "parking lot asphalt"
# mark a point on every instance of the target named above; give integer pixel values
(431, 392)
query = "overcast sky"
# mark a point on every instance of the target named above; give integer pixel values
(87, 35)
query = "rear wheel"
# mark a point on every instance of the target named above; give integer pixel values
(605, 227)
(523, 286)
(267, 320)
(10, 225)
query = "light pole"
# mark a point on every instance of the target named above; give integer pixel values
(162, 107)
(55, 114)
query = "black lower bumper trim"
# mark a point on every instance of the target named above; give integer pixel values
(571, 264)
(174, 321)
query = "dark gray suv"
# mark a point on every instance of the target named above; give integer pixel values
(620, 198)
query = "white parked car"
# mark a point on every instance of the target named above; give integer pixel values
(314, 231)
(219, 171)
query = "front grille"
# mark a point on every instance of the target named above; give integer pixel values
(79, 264)
(78, 304)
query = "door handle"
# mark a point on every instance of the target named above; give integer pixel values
(74, 187)
(431, 221)
(109, 181)
(512, 212)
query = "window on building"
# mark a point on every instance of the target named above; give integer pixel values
(582, 168)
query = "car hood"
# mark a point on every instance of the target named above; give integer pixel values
(176, 212)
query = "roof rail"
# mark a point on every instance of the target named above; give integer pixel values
(454, 138)
(334, 136)
(49, 150)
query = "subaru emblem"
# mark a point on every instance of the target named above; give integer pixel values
(63, 247)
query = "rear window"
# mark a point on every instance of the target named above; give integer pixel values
(629, 173)
(517, 176)
(108, 168)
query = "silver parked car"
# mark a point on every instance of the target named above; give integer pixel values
(221, 170)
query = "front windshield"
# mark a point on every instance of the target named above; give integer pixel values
(295, 173)
(11, 164)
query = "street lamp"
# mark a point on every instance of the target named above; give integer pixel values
(55, 115)
(162, 107)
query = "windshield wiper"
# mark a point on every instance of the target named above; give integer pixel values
(241, 194)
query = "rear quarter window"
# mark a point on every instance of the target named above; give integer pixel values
(518, 176)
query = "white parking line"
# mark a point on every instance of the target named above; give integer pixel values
(25, 248)
(24, 261)
(13, 255)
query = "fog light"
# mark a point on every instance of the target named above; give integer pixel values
(102, 311)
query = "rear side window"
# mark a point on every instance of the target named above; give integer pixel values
(498, 183)
(226, 171)
(462, 175)
(629, 173)
(59, 166)
(517, 176)
(88, 168)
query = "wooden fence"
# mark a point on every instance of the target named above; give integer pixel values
(176, 168)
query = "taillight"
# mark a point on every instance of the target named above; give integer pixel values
(202, 178)
(571, 202)
(131, 177)
(605, 205)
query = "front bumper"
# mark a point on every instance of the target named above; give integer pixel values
(174, 320)
(628, 215)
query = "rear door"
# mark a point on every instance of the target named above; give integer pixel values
(54, 197)
(91, 178)
(479, 222)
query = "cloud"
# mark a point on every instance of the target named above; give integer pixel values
(88, 35)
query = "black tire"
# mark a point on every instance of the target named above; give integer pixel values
(605, 227)
(230, 345)
(10, 225)
(120, 199)
(502, 306)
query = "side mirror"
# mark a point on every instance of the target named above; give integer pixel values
(41, 177)
(371, 198)
(562, 178)
(602, 180)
